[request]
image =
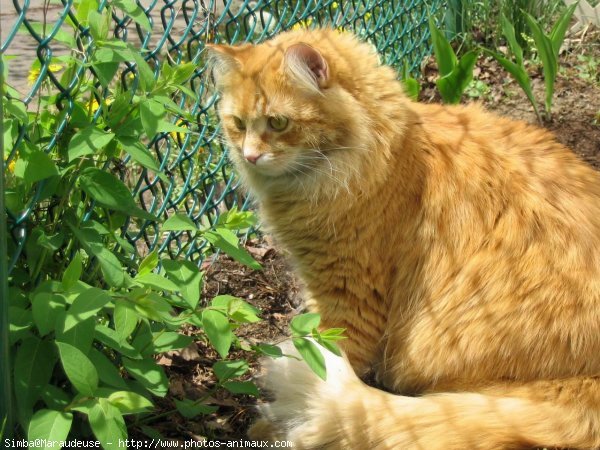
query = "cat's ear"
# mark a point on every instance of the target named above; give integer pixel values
(306, 66)
(221, 60)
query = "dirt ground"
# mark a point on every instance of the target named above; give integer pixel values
(576, 123)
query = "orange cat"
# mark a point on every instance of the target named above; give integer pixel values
(460, 250)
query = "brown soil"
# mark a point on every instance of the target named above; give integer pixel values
(274, 289)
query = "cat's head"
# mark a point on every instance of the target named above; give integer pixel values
(292, 109)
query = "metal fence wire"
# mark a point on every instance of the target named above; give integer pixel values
(199, 182)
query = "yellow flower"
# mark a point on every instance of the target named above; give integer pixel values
(368, 16)
(93, 104)
(334, 5)
(11, 166)
(34, 73)
(340, 30)
(179, 136)
(303, 24)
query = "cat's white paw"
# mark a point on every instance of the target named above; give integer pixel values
(299, 393)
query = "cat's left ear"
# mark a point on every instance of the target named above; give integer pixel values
(307, 66)
(221, 60)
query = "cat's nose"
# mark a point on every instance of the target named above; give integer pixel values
(252, 157)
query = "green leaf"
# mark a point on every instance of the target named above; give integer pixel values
(78, 368)
(242, 387)
(190, 409)
(39, 167)
(55, 398)
(50, 427)
(107, 371)
(444, 55)
(312, 355)
(557, 34)
(93, 244)
(98, 25)
(509, 32)
(130, 402)
(188, 278)
(108, 424)
(149, 374)
(88, 141)
(153, 306)
(46, 308)
(135, 12)
(149, 263)
(151, 113)
(411, 88)
(227, 241)
(156, 281)
(33, 366)
(236, 308)
(549, 59)
(452, 86)
(304, 324)
(226, 370)
(125, 318)
(106, 72)
(179, 222)
(61, 35)
(218, 330)
(519, 74)
(109, 337)
(110, 192)
(86, 305)
(79, 334)
(20, 320)
(270, 350)
(73, 272)
(139, 153)
(165, 341)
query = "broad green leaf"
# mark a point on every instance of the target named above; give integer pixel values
(183, 72)
(149, 263)
(55, 398)
(20, 320)
(546, 53)
(39, 167)
(107, 424)
(304, 324)
(242, 387)
(149, 374)
(226, 240)
(453, 85)
(79, 334)
(509, 32)
(98, 25)
(190, 409)
(236, 308)
(333, 334)
(33, 366)
(139, 153)
(153, 306)
(135, 12)
(312, 355)
(106, 72)
(50, 427)
(130, 402)
(444, 55)
(46, 308)
(270, 350)
(109, 337)
(79, 369)
(107, 371)
(217, 328)
(151, 113)
(557, 35)
(165, 341)
(88, 141)
(226, 370)
(188, 277)
(86, 305)
(145, 74)
(519, 74)
(125, 318)
(156, 281)
(73, 272)
(110, 192)
(411, 88)
(179, 222)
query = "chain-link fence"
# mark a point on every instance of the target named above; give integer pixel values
(37, 37)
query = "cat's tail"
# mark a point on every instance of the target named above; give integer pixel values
(344, 413)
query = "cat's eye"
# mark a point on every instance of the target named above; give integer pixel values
(278, 123)
(239, 123)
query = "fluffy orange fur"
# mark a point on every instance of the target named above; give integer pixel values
(459, 249)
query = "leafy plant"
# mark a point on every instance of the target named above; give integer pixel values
(411, 85)
(548, 47)
(455, 73)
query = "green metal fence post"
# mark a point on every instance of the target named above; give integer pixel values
(5, 385)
